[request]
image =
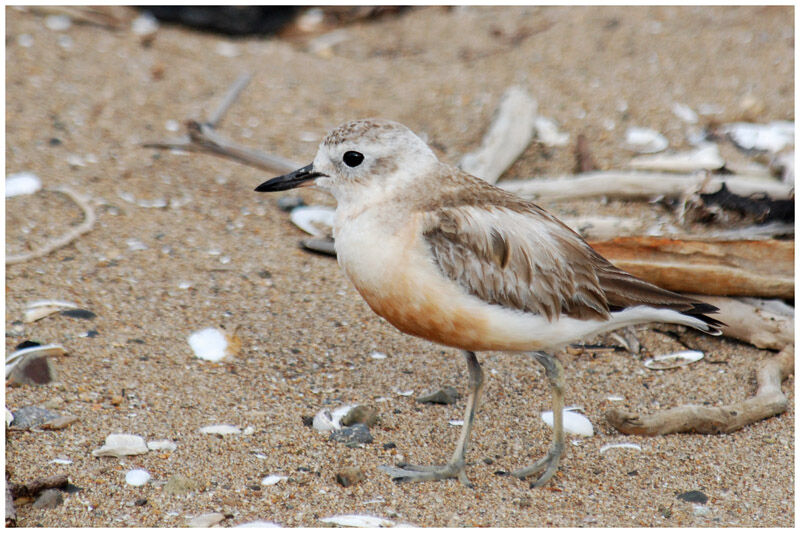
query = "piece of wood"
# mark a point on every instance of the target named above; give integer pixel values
(32, 488)
(752, 324)
(634, 185)
(768, 401)
(763, 269)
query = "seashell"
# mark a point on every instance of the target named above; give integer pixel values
(673, 360)
(574, 423)
(209, 344)
(220, 429)
(378, 355)
(627, 445)
(357, 520)
(42, 308)
(206, 520)
(45, 350)
(120, 445)
(22, 183)
(772, 137)
(273, 479)
(61, 461)
(165, 444)
(685, 113)
(315, 220)
(326, 420)
(137, 477)
(456, 422)
(259, 523)
(645, 140)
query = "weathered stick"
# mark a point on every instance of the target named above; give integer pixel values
(202, 137)
(723, 268)
(768, 401)
(68, 237)
(751, 324)
(640, 185)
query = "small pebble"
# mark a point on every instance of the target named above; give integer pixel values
(137, 477)
(272, 479)
(178, 484)
(49, 499)
(206, 520)
(360, 414)
(349, 476)
(58, 22)
(140, 502)
(693, 496)
(22, 183)
(443, 396)
(32, 416)
(352, 435)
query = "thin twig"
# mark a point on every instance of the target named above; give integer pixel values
(231, 96)
(768, 401)
(68, 237)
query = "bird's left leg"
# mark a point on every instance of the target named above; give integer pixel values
(455, 468)
(549, 463)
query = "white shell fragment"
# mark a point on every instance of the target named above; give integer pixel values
(315, 220)
(547, 132)
(645, 140)
(574, 423)
(770, 137)
(705, 157)
(22, 183)
(357, 520)
(209, 344)
(165, 444)
(673, 360)
(137, 477)
(508, 136)
(378, 355)
(42, 308)
(685, 113)
(326, 420)
(120, 445)
(61, 461)
(273, 479)
(220, 429)
(206, 520)
(456, 422)
(626, 445)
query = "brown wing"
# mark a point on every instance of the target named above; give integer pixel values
(522, 257)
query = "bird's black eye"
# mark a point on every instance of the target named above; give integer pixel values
(352, 159)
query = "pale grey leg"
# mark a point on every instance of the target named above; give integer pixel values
(549, 463)
(455, 468)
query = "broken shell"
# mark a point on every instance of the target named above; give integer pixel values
(46, 350)
(61, 461)
(645, 140)
(42, 308)
(772, 137)
(357, 520)
(206, 520)
(137, 477)
(209, 344)
(220, 429)
(273, 479)
(22, 183)
(326, 420)
(259, 523)
(627, 445)
(574, 423)
(120, 445)
(673, 360)
(315, 220)
(165, 444)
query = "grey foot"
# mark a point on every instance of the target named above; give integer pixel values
(411, 473)
(548, 465)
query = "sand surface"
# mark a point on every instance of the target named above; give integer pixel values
(306, 335)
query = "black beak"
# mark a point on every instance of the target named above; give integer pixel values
(302, 177)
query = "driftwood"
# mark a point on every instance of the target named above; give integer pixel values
(641, 185)
(725, 268)
(768, 401)
(508, 136)
(11, 511)
(752, 324)
(68, 237)
(202, 137)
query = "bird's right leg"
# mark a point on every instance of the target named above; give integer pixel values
(455, 468)
(549, 463)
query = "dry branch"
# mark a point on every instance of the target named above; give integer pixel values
(641, 185)
(725, 268)
(68, 237)
(32, 488)
(768, 401)
(751, 324)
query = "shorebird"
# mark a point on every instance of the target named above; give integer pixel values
(448, 257)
